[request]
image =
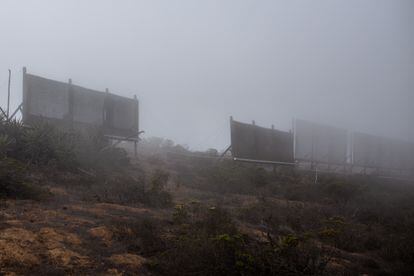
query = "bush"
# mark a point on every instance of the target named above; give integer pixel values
(122, 188)
(115, 189)
(94, 151)
(142, 236)
(14, 182)
(156, 195)
(227, 177)
(207, 242)
(44, 144)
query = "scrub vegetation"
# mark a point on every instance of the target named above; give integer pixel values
(72, 203)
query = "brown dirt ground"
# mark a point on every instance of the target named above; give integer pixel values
(61, 238)
(69, 236)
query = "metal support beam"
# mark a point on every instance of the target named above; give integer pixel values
(263, 162)
(4, 113)
(224, 153)
(15, 112)
(8, 96)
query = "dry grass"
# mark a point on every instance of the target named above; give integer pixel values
(172, 215)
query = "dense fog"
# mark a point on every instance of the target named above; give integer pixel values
(192, 64)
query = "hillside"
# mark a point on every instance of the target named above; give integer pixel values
(71, 204)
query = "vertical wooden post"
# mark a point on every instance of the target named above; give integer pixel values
(70, 104)
(231, 136)
(8, 96)
(105, 111)
(313, 149)
(136, 125)
(256, 147)
(25, 96)
(294, 139)
(136, 115)
(274, 166)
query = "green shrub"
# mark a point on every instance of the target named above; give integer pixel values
(44, 144)
(115, 189)
(122, 188)
(94, 151)
(156, 195)
(206, 241)
(14, 182)
(227, 177)
(142, 236)
(180, 214)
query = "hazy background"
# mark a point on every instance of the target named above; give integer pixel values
(192, 63)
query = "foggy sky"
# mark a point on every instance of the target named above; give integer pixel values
(192, 64)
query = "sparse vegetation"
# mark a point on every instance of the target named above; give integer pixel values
(202, 216)
(208, 242)
(15, 182)
(142, 236)
(44, 144)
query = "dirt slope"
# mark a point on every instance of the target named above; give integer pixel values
(69, 238)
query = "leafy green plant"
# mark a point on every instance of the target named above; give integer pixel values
(180, 214)
(44, 144)
(156, 195)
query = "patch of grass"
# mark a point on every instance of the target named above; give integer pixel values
(223, 177)
(114, 189)
(122, 188)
